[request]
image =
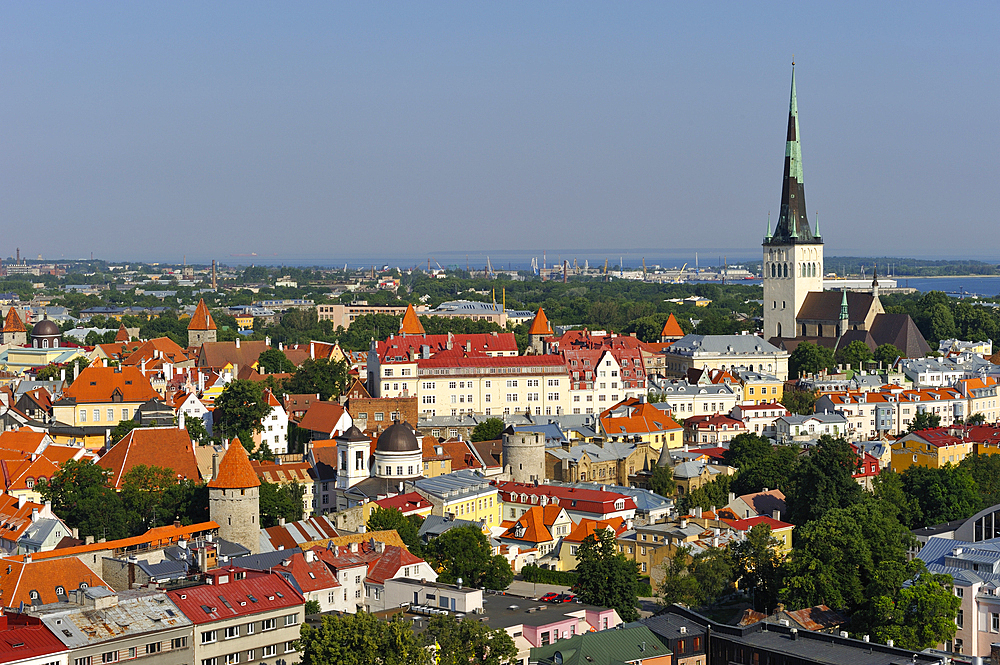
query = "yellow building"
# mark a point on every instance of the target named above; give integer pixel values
(462, 495)
(96, 402)
(761, 388)
(437, 461)
(566, 558)
(637, 420)
(932, 448)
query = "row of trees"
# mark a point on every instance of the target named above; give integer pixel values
(810, 358)
(150, 496)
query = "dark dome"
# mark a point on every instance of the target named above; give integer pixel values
(46, 328)
(398, 438)
(353, 434)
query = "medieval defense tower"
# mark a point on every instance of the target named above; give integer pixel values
(524, 456)
(234, 498)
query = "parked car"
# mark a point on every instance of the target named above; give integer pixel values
(564, 598)
(549, 598)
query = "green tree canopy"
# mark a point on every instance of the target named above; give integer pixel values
(605, 577)
(760, 464)
(392, 519)
(924, 420)
(943, 494)
(713, 493)
(985, 470)
(274, 361)
(280, 501)
(464, 641)
(756, 566)
(855, 354)
(489, 430)
(796, 400)
(322, 376)
(887, 354)
(697, 580)
(80, 495)
(809, 358)
(823, 480)
(240, 410)
(362, 639)
(465, 552)
(662, 481)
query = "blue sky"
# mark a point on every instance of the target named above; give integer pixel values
(325, 131)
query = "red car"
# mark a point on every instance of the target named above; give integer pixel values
(549, 598)
(564, 598)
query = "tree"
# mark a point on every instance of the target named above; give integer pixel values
(196, 430)
(855, 354)
(142, 490)
(489, 430)
(909, 605)
(837, 556)
(362, 639)
(122, 429)
(605, 577)
(985, 470)
(662, 481)
(942, 495)
(760, 464)
(823, 480)
(274, 361)
(80, 496)
(713, 493)
(313, 607)
(697, 580)
(679, 585)
(461, 641)
(240, 410)
(392, 519)
(887, 488)
(328, 378)
(277, 501)
(796, 400)
(887, 354)
(976, 419)
(809, 358)
(756, 566)
(465, 552)
(924, 420)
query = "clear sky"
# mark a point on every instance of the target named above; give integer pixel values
(323, 131)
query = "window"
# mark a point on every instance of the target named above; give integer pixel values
(83, 419)
(959, 618)
(291, 619)
(232, 632)
(289, 647)
(153, 647)
(209, 636)
(994, 622)
(512, 383)
(178, 643)
(233, 658)
(270, 650)
(511, 397)
(109, 657)
(111, 415)
(82, 661)
(210, 661)
(97, 415)
(427, 399)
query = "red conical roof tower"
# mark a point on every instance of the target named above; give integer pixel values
(411, 323)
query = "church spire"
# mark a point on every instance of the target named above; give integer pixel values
(793, 224)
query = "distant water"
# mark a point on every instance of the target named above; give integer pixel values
(981, 286)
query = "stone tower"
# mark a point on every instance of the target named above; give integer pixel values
(234, 498)
(202, 327)
(14, 332)
(540, 329)
(524, 456)
(793, 254)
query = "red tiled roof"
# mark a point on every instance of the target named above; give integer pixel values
(204, 603)
(166, 447)
(590, 527)
(567, 496)
(540, 326)
(154, 538)
(409, 503)
(43, 577)
(99, 385)
(322, 417)
(155, 352)
(536, 523)
(235, 471)
(751, 522)
(410, 325)
(671, 328)
(202, 319)
(388, 564)
(399, 348)
(314, 576)
(122, 335)
(13, 322)
(24, 638)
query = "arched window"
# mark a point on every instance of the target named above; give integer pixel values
(786, 270)
(45, 343)
(779, 330)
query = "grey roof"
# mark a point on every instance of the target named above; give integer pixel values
(136, 612)
(41, 529)
(729, 345)
(553, 434)
(265, 560)
(942, 554)
(826, 418)
(454, 484)
(683, 388)
(434, 525)
(693, 469)
(498, 609)
(609, 450)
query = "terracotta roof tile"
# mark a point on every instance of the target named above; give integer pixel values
(13, 322)
(671, 328)
(322, 417)
(122, 335)
(235, 471)
(99, 384)
(540, 326)
(202, 319)
(44, 577)
(166, 447)
(410, 325)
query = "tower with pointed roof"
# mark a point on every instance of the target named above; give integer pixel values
(234, 498)
(793, 253)
(540, 329)
(410, 325)
(671, 330)
(202, 328)
(14, 333)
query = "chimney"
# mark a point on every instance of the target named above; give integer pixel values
(142, 367)
(776, 515)
(62, 375)
(21, 500)
(312, 350)
(237, 342)
(310, 556)
(215, 466)
(34, 515)
(281, 521)
(168, 371)
(281, 346)
(180, 420)
(267, 340)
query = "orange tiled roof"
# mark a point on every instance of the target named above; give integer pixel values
(25, 440)
(540, 326)
(202, 319)
(166, 447)
(155, 538)
(122, 335)
(671, 328)
(99, 384)
(168, 351)
(535, 522)
(410, 324)
(235, 471)
(590, 527)
(13, 322)
(44, 577)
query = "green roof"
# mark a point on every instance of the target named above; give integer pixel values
(607, 647)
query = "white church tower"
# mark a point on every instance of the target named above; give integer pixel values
(793, 254)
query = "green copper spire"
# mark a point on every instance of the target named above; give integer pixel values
(843, 306)
(768, 236)
(817, 233)
(793, 225)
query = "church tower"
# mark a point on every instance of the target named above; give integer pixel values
(793, 254)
